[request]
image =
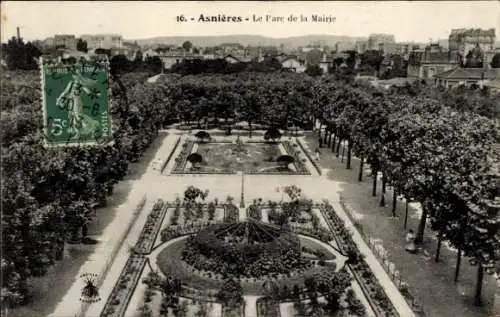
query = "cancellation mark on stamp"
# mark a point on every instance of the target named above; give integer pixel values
(75, 98)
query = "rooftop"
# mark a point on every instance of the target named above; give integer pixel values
(472, 32)
(470, 73)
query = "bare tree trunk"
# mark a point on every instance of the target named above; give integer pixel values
(394, 201)
(343, 151)
(406, 214)
(360, 175)
(349, 153)
(59, 252)
(457, 266)
(374, 175)
(479, 284)
(438, 248)
(338, 146)
(382, 196)
(85, 230)
(421, 225)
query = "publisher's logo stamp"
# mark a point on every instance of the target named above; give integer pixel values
(90, 292)
(76, 104)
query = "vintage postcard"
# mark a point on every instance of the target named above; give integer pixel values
(250, 159)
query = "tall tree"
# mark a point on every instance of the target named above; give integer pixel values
(187, 45)
(81, 46)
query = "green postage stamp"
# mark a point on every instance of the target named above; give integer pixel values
(76, 104)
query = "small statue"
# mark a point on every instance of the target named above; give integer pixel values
(410, 242)
(239, 144)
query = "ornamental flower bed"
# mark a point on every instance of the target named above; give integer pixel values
(171, 154)
(244, 250)
(255, 212)
(187, 148)
(198, 295)
(180, 160)
(370, 285)
(231, 213)
(301, 168)
(150, 231)
(238, 311)
(306, 152)
(170, 233)
(320, 233)
(118, 300)
(266, 307)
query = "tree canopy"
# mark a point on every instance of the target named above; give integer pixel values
(433, 146)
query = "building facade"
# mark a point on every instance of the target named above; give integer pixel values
(375, 39)
(467, 76)
(66, 41)
(171, 59)
(361, 46)
(294, 64)
(105, 41)
(424, 64)
(471, 41)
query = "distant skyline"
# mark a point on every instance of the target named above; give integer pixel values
(407, 21)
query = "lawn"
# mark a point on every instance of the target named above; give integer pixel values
(223, 157)
(170, 263)
(310, 244)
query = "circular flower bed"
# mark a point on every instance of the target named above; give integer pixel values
(248, 249)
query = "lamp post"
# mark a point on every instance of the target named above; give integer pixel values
(242, 202)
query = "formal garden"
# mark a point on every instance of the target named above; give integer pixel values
(195, 257)
(264, 154)
(433, 146)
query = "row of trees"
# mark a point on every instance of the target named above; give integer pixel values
(428, 153)
(277, 99)
(221, 66)
(50, 195)
(438, 155)
(20, 55)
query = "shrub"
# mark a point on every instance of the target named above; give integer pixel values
(272, 134)
(202, 135)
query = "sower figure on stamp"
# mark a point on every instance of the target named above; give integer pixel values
(78, 122)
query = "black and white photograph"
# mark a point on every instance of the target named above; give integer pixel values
(250, 158)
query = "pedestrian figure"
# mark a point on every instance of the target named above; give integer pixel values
(316, 152)
(320, 142)
(410, 242)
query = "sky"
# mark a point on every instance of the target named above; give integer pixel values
(407, 21)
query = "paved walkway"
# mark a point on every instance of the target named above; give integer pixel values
(430, 282)
(251, 305)
(110, 255)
